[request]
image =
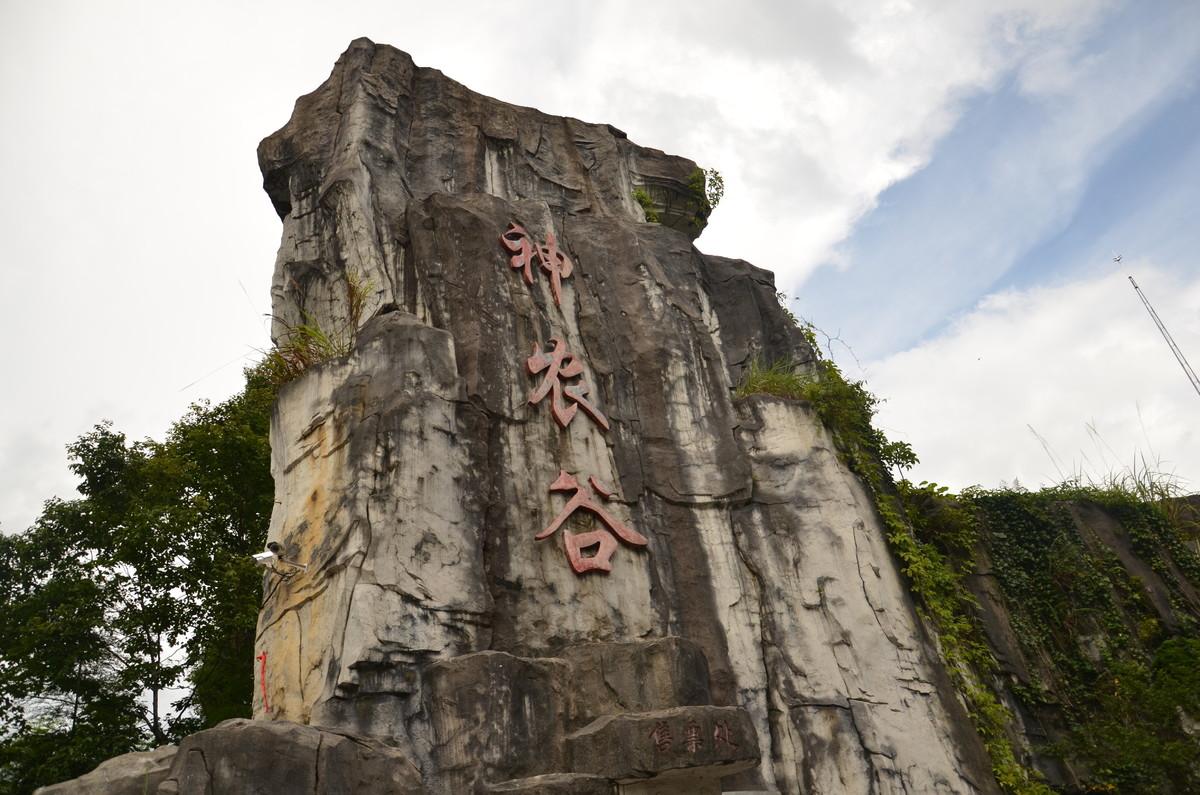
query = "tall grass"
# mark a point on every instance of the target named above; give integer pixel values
(781, 378)
(307, 344)
(1144, 479)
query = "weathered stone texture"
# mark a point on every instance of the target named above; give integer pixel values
(129, 774)
(845, 668)
(372, 467)
(413, 474)
(497, 717)
(613, 678)
(709, 742)
(554, 784)
(242, 757)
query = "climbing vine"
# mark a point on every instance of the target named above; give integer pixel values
(1107, 657)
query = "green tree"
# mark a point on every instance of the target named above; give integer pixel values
(139, 588)
(62, 700)
(222, 454)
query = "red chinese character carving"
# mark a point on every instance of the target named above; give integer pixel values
(551, 259)
(559, 366)
(556, 263)
(692, 738)
(662, 736)
(516, 240)
(723, 734)
(577, 542)
(585, 499)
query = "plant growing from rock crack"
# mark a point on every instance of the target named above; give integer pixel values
(307, 344)
(707, 187)
(780, 378)
(647, 204)
(714, 187)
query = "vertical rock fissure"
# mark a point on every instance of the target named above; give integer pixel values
(860, 525)
(317, 767)
(766, 633)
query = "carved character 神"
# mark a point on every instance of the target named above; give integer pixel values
(549, 256)
(555, 263)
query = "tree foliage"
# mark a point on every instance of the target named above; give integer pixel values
(130, 611)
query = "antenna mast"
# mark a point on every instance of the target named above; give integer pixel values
(1183, 362)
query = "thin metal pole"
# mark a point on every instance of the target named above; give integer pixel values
(1183, 362)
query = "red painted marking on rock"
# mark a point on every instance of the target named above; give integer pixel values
(262, 678)
(516, 240)
(723, 734)
(661, 735)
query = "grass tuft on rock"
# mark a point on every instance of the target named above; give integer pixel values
(307, 344)
(780, 378)
(646, 202)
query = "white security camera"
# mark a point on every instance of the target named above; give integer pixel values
(272, 555)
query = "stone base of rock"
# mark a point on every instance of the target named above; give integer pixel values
(607, 718)
(554, 784)
(244, 756)
(696, 742)
(604, 715)
(128, 774)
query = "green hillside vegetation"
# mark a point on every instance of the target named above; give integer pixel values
(1105, 663)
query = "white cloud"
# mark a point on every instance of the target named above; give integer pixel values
(1027, 182)
(1057, 359)
(810, 110)
(133, 216)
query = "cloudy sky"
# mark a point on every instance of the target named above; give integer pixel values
(942, 186)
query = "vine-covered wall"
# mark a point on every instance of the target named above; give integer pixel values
(1090, 602)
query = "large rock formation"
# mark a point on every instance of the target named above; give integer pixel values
(134, 773)
(530, 542)
(414, 474)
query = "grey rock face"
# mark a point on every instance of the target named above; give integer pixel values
(129, 774)
(614, 678)
(241, 757)
(845, 666)
(414, 474)
(497, 717)
(555, 784)
(708, 742)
